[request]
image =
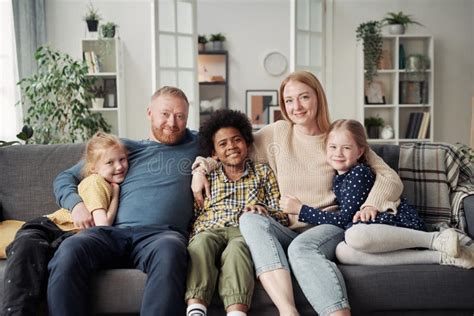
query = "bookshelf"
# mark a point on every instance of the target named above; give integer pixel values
(213, 82)
(104, 60)
(402, 93)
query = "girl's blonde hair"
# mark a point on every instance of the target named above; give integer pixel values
(95, 148)
(322, 112)
(356, 129)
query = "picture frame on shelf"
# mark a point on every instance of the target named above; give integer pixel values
(110, 86)
(275, 114)
(374, 93)
(258, 104)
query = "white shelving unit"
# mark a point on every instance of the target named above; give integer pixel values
(399, 102)
(106, 66)
(211, 64)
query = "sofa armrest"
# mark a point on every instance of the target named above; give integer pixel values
(469, 211)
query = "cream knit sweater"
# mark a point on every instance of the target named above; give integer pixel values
(299, 162)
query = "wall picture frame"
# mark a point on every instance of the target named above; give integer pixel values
(258, 104)
(275, 114)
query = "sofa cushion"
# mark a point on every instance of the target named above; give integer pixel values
(409, 287)
(27, 173)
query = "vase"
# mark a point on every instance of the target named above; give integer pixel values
(97, 103)
(401, 57)
(396, 29)
(217, 45)
(109, 32)
(373, 132)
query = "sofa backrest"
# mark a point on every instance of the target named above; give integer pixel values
(26, 176)
(389, 153)
(27, 173)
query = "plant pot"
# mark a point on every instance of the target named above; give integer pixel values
(396, 29)
(108, 33)
(217, 45)
(201, 47)
(373, 132)
(97, 103)
(92, 25)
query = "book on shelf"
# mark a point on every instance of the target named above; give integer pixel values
(89, 62)
(414, 124)
(423, 133)
(409, 125)
(92, 61)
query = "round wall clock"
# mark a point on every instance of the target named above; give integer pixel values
(275, 63)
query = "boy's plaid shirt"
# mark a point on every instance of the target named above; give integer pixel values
(257, 185)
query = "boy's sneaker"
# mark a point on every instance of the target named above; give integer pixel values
(447, 242)
(465, 259)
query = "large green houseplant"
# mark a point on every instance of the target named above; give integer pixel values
(370, 34)
(57, 99)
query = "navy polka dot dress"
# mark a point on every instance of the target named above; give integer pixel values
(351, 190)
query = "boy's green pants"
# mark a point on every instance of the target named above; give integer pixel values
(220, 256)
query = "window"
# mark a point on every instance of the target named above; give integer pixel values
(9, 112)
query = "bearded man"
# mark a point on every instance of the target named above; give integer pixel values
(150, 230)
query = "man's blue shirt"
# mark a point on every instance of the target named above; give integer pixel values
(156, 189)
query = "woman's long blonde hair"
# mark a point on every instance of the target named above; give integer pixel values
(95, 148)
(322, 111)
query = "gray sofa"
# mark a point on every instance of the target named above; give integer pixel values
(26, 175)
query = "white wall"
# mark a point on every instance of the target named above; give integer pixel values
(450, 23)
(65, 29)
(253, 28)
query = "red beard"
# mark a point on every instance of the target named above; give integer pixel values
(168, 139)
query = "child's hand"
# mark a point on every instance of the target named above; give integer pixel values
(256, 209)
(290, 204)
(366, 214)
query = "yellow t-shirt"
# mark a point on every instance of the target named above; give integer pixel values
(95, 192)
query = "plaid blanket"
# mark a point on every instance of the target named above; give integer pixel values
(436, 178)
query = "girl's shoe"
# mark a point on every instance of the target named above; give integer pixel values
(447, 242)
(465, 259)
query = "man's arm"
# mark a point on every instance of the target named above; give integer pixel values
(65, 191)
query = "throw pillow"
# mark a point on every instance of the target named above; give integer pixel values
(8, 229)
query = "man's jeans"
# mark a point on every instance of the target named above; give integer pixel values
(158, 251)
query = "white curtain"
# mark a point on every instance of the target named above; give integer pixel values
(10, 113)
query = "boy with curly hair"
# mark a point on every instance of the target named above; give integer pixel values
(218, 253)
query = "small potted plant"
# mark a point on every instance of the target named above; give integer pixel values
(370, 34)
(398, 22)
(108, 29)
(99, 97)
(373, 124)
(92, 18)
(202, 41)
(217, 41)
(25, 134)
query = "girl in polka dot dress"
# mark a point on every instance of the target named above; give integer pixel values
(373, 237)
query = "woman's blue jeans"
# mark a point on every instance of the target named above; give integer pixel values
(310, 254)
